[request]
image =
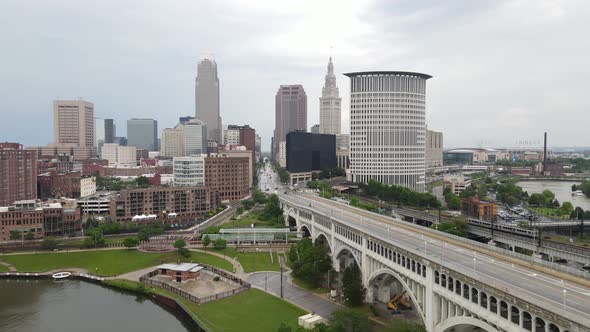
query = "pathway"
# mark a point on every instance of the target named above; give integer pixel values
(9, 266)
(238, 269)
(311, 302)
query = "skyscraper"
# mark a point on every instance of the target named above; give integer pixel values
(290, 113)
(73, 123)
(207, 98)
(330, 117)
(110, 131)
(142, 134)
(18, 173)
(387, 127)
(195, 137)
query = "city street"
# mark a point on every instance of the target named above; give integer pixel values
(268, 180)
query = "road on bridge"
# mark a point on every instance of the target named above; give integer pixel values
(541, 289)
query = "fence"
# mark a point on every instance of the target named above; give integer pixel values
(146, 279)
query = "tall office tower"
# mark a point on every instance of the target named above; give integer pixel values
(195, 138)
(315, 129)
(387, 127)
(99, 132)
(207, 98)
(18, 173)
(330, 117)
(290, 113)
(172, 142)
(189, 171)
(110, 131)
(73, 123)
(143, 134)
(434, 148)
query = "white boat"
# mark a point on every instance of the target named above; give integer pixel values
(61, 275)
(578, 193)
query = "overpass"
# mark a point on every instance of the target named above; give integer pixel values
(455, 284)
(530, 239)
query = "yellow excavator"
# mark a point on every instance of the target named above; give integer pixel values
(395, 307)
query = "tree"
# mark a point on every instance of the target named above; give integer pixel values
(15, 235)
(567, 208)
(130, 242)
(348, 320)
(272, 208)
(352, 286)
(142, 182)
(549, 195)
(310, 262)
(49, 243)
(206, 240)
(454, 202)
(30, 236)
(179, 244)
(577, 213)
(219, 244)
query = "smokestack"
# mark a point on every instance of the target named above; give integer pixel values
(545, 154)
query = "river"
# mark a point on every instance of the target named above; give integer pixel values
(561, 189)
(74, 305)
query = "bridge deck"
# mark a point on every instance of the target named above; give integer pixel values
(527, 284)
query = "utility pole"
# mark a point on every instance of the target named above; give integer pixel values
(281, 267)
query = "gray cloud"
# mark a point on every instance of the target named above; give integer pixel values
(503, 70)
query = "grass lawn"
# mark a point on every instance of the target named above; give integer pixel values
(104, 262)
(246, 221)
(252, 262)
(3, 268)
(252, 310)
(219, 262)
(549, 212)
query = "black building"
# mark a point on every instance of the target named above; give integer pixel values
(308, 152)
(109, 131)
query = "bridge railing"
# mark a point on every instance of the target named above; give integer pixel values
(304, 203)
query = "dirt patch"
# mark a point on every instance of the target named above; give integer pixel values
(202, 287)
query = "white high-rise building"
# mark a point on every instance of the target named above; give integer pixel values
(172, 144)
(330, 117)
(231, 136)
(207, 98)
(387, 127)
(119, 155)
(189, 171)
(195, 137)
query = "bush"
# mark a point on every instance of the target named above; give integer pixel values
(206, 240)
(49, 244)
(130, 242)
(219, 244)
(216, 278)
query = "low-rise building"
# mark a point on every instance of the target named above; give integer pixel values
(96, 204)
(55, 185)
(166, 204)
(119, 155)
(476, 208)
(30, 216)
(457, 183)
(87, 186)
(181, 272)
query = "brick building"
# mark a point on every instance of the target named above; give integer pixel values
(18, 173)
(40, 219)
(54, 184)
(181, 272)
(167, 204)
(476, 208)
(230, 176)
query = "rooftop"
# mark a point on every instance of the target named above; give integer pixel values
(182, 267)
(396, 73)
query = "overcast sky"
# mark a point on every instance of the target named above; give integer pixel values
(504, 71)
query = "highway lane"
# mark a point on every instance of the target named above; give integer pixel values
(531, 285)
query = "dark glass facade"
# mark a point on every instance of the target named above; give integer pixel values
(308, 152)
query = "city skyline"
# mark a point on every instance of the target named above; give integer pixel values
(472, 51)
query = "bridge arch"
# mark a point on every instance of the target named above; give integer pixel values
(456, 321)
(405, 286)
(346, 250)
(305, 230)
(321, 237)
(291, 218)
